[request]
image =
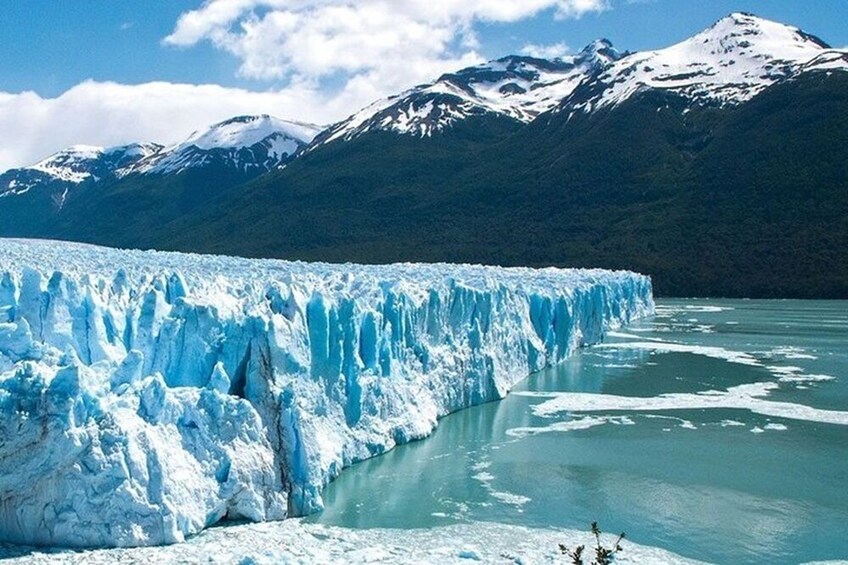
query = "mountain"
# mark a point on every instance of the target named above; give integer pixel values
(115, 195)
(519, 88)
(737, 195)
(249, 144)
(731, 62)
(229, 152)
(741, 201)
(74, 168)
(717, 165)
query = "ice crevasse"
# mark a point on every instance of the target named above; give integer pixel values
(145, 396)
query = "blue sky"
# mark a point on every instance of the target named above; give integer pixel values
(111, 71)
(49, 46)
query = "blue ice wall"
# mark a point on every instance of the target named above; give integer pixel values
(145, 396)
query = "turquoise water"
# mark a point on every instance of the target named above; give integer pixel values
(719, 483)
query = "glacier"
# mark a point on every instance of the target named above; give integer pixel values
(145, 395)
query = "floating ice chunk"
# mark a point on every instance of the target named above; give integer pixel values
(777, 427)
(743, 397)
(730, 423)
(571, 425)
(685, 424)
(791, 352)
(730, 356)
(510, 498)
(788, 373)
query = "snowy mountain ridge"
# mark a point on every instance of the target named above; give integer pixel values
(245, 142)
(252, 144)
(729, 63)
(70, 164)
(518, 87)
(79, 165)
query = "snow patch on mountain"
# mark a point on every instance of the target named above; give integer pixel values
(145, 396)
(243, 143)
(70, 165)
(245, 131)
(731, 62)
(529, 87)
(516, 87)
(77, 165)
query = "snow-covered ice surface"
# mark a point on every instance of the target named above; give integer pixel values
(145, 396)
(293, 541)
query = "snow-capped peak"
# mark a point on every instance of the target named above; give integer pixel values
(134, 150)
(246, 131)
(79, 163)
(730, 62)
(743, 35)
(517, 87)
(247, 143)
(71, 165)
(599, 51)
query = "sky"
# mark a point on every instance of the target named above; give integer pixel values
(107, 72)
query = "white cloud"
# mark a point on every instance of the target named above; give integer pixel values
(372, 47)
(546, 51)
(334, 57)
(105, 113)
(313, 39)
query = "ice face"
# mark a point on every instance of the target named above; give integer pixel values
(145, 396)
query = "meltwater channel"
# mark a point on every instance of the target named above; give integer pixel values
(718, 430)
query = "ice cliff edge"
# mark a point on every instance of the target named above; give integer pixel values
(145, 396)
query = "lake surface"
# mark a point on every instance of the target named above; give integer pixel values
(718, 430)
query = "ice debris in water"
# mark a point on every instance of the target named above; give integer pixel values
(145, 396)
